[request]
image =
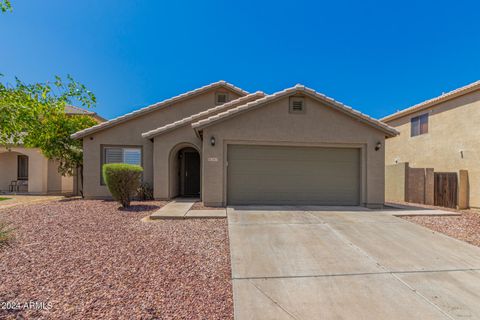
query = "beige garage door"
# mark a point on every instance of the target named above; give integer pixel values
(293, 175)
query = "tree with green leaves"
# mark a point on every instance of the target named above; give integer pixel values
(5, 5)
(33, 116)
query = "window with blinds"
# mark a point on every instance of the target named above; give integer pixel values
(121, 155)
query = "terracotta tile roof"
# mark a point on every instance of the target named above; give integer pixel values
(185, 121)
(73, 110)
(428, 103)
(296, 89)
(76, 110)
(156, 106)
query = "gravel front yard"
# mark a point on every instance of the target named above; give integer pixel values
(465, 227)
(92, 261)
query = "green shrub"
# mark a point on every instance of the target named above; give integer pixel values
(123, 181)
(6, 234)
(145, 192)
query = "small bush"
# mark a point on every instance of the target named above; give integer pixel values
(123, 181)
(6, 234)
(145, 192)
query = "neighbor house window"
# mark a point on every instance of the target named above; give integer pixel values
(22, 167)
(130, 155)
(221, 98)
(419, 125)
(296, 105)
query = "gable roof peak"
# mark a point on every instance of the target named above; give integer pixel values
(199, 125)
(299, 86)
(159, 105)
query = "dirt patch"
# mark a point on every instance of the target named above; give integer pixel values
(200, 206)
(465, 227)
(90, 260)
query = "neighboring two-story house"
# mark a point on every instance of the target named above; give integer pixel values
(27, 170)
(441, 134)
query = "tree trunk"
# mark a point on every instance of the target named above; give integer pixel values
(80, 167)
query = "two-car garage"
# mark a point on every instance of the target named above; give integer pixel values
(294, 147)
(293, 175)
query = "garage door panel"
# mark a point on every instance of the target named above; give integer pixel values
(290, 175)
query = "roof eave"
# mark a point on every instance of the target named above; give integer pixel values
(156, 106)
(389, 131)
(194, 118)
(474, 86)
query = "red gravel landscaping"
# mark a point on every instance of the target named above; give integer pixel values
(465, 227)
(90, 260)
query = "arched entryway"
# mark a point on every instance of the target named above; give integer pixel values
(186, 172)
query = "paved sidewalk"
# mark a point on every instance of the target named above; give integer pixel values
(180, 209)
(350, 263)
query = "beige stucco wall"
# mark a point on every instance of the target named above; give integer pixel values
(43, 176)
(272, 124)
(8, 169)
(56, 182)
(129, 133)
(451, 133)
(396, 182)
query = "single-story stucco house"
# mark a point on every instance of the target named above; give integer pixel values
(27, 170)
(441, 136)
(227, 146)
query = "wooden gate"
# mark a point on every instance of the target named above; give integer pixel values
(446, 184)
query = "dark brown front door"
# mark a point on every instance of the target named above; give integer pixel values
(191, 174)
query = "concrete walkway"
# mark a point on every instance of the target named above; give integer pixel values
(180, 209)
(347, 263)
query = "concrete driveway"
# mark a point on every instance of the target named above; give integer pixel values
(347, 263)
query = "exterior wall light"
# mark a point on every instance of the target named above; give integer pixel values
(212, 141)
(378, 146)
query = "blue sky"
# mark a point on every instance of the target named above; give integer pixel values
(376, 56)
